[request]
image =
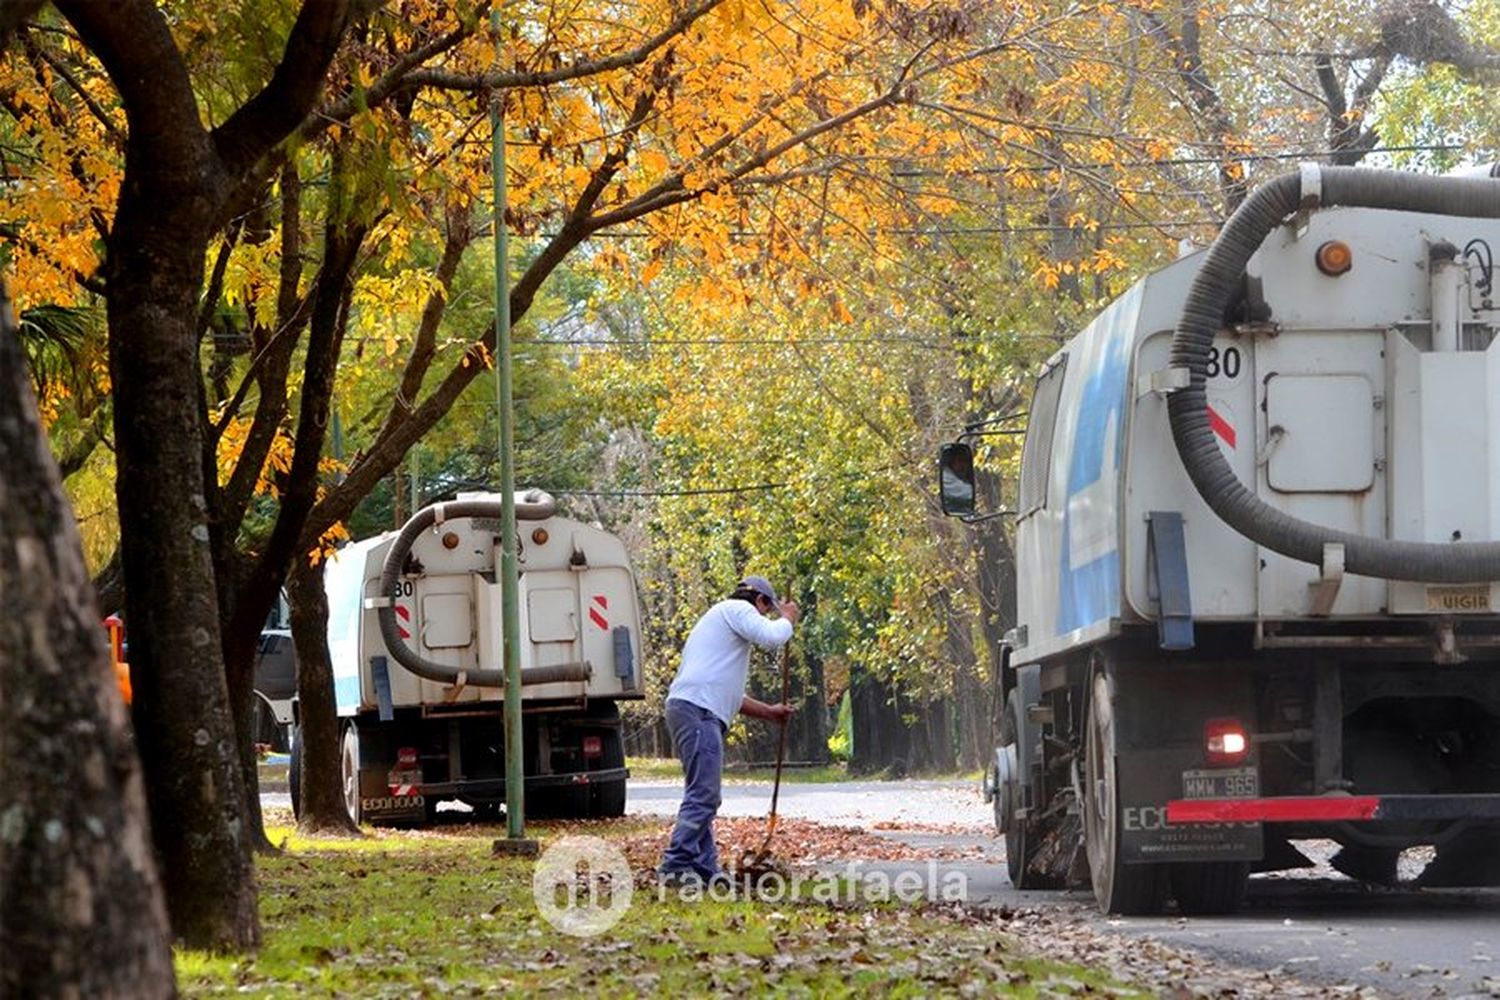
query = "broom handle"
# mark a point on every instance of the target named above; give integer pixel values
(786, 692)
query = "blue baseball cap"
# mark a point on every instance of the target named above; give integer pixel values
(761, 586)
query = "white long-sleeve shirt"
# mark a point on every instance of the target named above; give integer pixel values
(716, 656)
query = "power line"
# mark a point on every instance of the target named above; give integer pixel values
(746, 342)
(731, 342)
(753, 488)
(863, 474)
(633, 234)
(1175, 161)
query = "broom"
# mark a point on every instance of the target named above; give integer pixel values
(759, 862)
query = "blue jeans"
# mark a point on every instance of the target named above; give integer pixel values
(698, 736)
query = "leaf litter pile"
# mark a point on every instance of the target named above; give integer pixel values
(798, 842)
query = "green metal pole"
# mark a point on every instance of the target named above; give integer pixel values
(515, 777)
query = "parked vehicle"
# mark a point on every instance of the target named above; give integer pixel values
(415, 639)
(1257, 545)
(275, 687)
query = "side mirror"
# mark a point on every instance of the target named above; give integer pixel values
(956, 480)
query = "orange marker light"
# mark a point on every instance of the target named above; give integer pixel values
(1334, 258)
(540, 536)
(450, 540)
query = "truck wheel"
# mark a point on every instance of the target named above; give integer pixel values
(1207, 888)
(1023, 837)
(294, 773)
(349, 772)
(607, 799)
(1119, 887)
(1468, 859)
(571, 801)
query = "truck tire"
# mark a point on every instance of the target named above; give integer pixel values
(607, 799)
(1208, 888)
(1133, 889)
(1468, 859)
(349, 772)
(294, 773)
(1023, 836)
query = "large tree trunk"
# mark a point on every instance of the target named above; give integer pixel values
(319, 783)
(177, 182)
(82, 912)
(183, 721)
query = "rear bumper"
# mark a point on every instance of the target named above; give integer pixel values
(1332, 808)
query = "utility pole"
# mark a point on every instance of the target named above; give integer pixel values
(516, 841)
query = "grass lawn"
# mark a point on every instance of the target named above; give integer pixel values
(432, 913)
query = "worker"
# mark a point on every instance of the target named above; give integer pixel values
(707, 691)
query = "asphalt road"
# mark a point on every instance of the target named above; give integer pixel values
(1321, 928)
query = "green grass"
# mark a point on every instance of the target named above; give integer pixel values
(434, 914)
(273, 777)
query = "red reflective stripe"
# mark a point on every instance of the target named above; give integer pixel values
(1278, 810)
(1220, 426)
(402, 611)
(601, 600)
(598, 619)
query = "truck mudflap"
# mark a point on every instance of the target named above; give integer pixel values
(1332, 808)
(1152, 778)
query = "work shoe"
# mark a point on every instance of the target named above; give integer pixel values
(679, 879)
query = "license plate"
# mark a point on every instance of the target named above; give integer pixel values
(1221, 783)
(1459, 599)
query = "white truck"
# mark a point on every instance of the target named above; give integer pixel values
(414, 633)
(1258, 546)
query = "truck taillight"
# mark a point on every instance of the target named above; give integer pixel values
(593, 746)
(1225, 742)
(406, 757)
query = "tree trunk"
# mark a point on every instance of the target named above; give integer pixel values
(811, 722)
(182, 711)
(82, 911)
(882, 740)
(320, 785)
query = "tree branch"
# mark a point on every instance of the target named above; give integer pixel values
(116, 137)
(516, 79)
(134, 42)
(424, 345)
(282, 104)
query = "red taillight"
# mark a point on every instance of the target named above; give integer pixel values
(406, 757)
(593, 746)
(1225, 742)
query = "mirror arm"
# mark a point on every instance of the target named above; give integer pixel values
(973, 429)
(967, 434)
(977, 518)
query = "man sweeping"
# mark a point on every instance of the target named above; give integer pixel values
(708, 689)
